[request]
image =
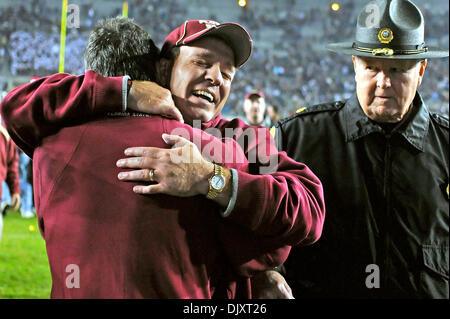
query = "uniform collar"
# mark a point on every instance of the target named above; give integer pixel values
(414, 127)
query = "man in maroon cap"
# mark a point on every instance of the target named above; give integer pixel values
(200, 58)
(278, 200)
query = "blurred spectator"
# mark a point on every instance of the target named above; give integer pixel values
(25, 169)
(9, 172)
(272, 112)
(255, 109)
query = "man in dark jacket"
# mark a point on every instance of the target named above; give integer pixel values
(382, 157)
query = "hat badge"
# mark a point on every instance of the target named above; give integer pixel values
(385, 35)
(209, 23)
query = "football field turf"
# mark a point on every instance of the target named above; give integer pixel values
(24, 270)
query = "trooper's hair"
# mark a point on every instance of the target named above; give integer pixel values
(416, 61)
(118, 46)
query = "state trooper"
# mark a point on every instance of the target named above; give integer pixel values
(383, 159)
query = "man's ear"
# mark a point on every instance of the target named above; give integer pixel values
(354, 64)
(163, 72)
(422, 67)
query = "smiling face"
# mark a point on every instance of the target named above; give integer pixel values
(386, 88)
(201, 78)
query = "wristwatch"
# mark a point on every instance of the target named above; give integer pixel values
(217, 182)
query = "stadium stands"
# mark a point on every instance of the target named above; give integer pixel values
(289, 62)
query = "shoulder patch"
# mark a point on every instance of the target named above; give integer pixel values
(440, 119)
(302, 111)
(272, 131)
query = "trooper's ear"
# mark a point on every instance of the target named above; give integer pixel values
(163, 72)
(422, 67)
(354, 59)
(354, 62)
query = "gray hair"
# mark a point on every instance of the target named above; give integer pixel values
(118, 46)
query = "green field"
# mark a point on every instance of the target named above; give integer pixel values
(24, 270)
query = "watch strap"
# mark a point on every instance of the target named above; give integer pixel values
(212, 192)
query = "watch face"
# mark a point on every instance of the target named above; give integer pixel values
(218, 182)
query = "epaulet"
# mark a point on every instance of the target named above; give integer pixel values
(324, 107)
(440, 119)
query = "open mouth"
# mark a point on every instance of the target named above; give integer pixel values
(204, 95)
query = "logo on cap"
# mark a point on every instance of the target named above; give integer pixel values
(385, 35)
(209, 23)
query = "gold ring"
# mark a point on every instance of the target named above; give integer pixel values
(151, 174)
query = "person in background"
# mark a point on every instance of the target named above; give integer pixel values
(274, 115)
(255, 109)
(27, 206)
(9, 172)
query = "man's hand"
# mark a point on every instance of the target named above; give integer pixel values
(148, 97)
(15, 201)
(179, 171)
(270, 285)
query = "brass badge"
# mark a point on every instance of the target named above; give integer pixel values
(385, 35)
(383, 51)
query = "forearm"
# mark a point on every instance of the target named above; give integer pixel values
(149, 97)
(287, 206)
(12, 175)
(38, 109)
(276, 197)
(13, 182)
(249, 252)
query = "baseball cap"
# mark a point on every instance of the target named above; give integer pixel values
(257, 93)
(232, 33)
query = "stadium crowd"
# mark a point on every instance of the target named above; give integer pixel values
(295, 70)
